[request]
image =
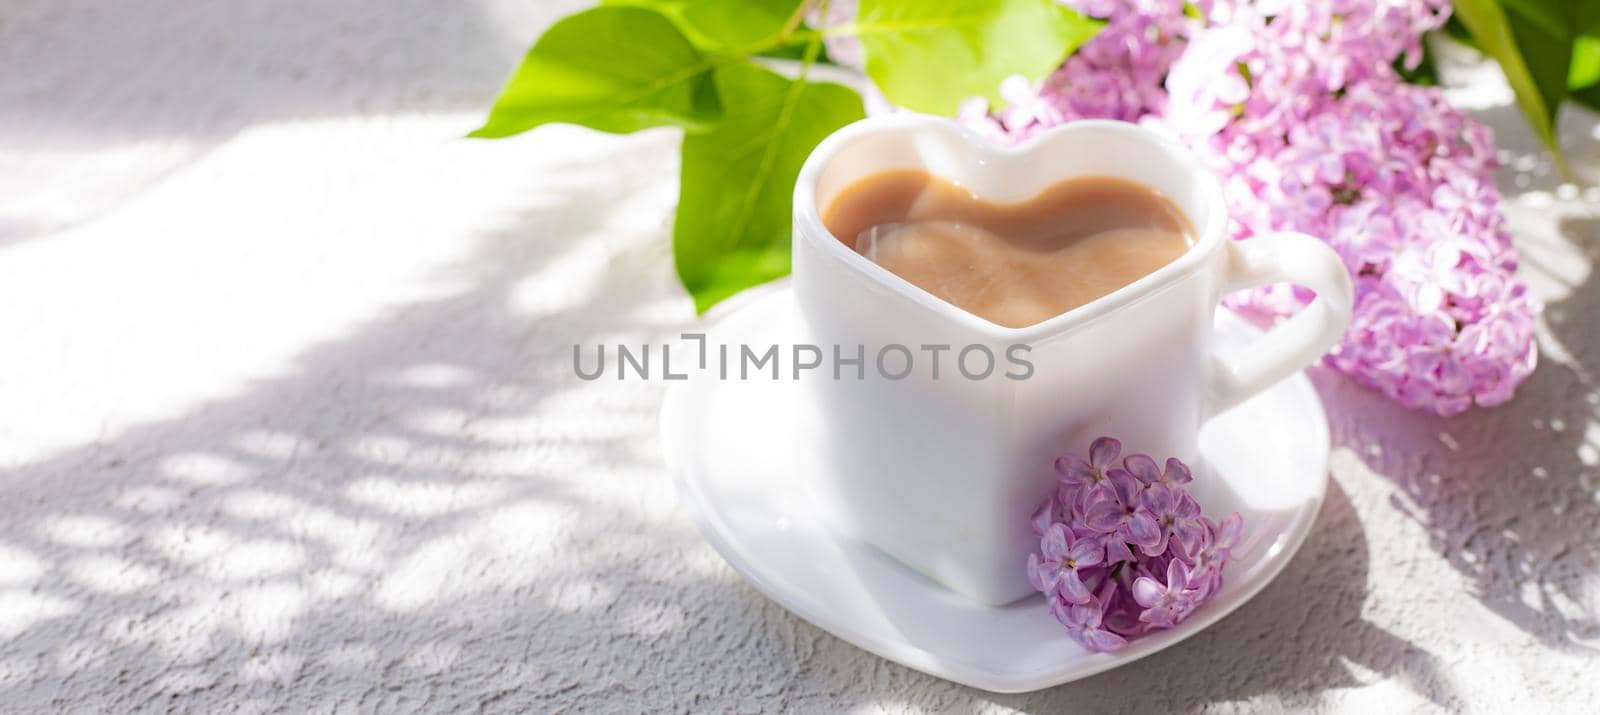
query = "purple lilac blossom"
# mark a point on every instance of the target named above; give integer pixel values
(1299, 110)
(1124, 550)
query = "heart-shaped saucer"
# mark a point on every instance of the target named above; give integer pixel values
(730, 448)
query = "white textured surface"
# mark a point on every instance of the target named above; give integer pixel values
(287, 418)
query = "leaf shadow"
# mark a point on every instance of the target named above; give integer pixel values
(383, 517)
(1507, 495)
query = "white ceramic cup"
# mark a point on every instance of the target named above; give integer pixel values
(943, 473)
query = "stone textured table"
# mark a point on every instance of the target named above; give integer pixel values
(287, 418)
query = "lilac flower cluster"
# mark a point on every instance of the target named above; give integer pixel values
(1298, 107)
(1124, 550)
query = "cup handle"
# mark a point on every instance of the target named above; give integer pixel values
(1283, 257)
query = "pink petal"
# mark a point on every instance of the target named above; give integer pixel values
(1177, 575)
(1143, 530)
(1127, 488)
(1072, 588)
(1086, 552)
(1178, 472)
(1086, 615)
(1038, 576)
(1188, 508)
(1104, 516)
(1188, 536)
(1185, 549)
(1073, 469)
(1229, 533)
(1104, 641)
(1142, 467)
(1056, 542)
(1104, 451)
(1156, 549)
(1147, 591)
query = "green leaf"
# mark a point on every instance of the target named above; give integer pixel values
(616, 69)
(1585, 70)
(928, 55)
(1548, 57)
(735, 197)
(1586, 17)
(1584, 78)
(741, 26)
(1490, 26)
(1550, 17)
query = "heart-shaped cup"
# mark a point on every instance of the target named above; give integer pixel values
(942, 468)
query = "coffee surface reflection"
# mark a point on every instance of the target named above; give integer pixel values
(1014, 264)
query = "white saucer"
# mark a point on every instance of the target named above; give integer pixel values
(728, 445)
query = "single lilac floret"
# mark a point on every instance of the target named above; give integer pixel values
(1077, 471)
(1166, 603)
(1117, 507)
(1064, 556)
(1175, 514)
(1210, 552)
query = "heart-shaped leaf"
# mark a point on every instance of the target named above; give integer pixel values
(737, 180)
(612, 68)
(930, 55)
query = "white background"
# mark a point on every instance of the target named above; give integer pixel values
(287, 416)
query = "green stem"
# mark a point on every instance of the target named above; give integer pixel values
(793, 28)
(813, 44)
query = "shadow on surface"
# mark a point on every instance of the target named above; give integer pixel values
(116, 96)
(395, 522)
(1522, 538)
